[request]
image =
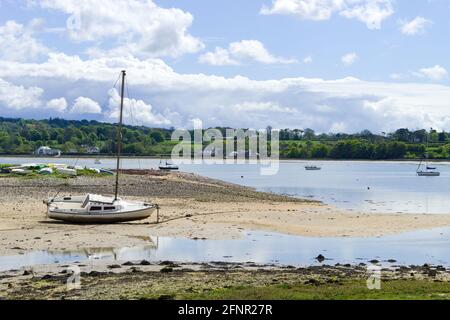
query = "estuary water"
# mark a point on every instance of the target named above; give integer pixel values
(386, 187)
(354, 185)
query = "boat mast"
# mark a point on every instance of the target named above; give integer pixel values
(119, 134)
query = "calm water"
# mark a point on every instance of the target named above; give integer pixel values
(368, 186)
(261, 247)
(388, 187)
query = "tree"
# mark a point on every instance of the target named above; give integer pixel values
(396, 150)
(442, 136)
(134, 148)
(341, 150)
(157, 136)
(402, 135)
(320, 151)
(381, 151)
(309, 134)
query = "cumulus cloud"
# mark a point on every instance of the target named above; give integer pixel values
(415, 26)
(370, 12)
(18, 97)
(169, 98)
(219, 57)
(136, 27)
(349, 58)
(136, 112)
(83, 105)
(18, 44)
(245, 50)
(434, 73)
(58, 105)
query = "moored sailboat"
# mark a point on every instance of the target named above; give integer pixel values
(92, 208)
(429, 171)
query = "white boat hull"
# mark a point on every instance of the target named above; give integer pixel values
(428, 174)
(92, 208)
(102, 218)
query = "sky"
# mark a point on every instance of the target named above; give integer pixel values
(330, 65)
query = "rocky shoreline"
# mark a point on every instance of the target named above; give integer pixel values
(172, 280)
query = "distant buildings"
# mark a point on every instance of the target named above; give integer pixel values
(91, 150)
(47, 151)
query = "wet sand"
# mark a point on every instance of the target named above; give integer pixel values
(191, 207)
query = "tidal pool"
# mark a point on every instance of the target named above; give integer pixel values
(412, 248)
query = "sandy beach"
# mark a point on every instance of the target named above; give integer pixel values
(191, 207)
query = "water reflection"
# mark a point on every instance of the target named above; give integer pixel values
(432, 246)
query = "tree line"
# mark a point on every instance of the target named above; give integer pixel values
(20, 136)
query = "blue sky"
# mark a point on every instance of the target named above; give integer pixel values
(332, 65)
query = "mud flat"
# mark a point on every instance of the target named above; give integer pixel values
(191, 207)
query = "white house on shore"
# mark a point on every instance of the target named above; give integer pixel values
(47, 151)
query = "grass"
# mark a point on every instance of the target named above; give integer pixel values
(345, 290)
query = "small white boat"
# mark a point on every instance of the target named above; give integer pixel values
(106, 171)
(97, 161)
(168, 166)
(66, 171)
(19, 171)
(312, 168)
(46, 171)
(97, 209)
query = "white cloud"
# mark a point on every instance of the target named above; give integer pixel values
(18, 97)
(308, 60)
(349, 58)
(58, 105)
(415, 26)
(238, 102)
(304, 9)
(83, 105)
(434, 73)
(396, 76)
(136, 112)
(134, 27)
(370, 12)
(220, 57)
(245, 50)
(18, 44)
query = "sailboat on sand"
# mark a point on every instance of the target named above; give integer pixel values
(91, 208)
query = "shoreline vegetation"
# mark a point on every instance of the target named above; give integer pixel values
(195, 207)
(168, 280)
(79, 138)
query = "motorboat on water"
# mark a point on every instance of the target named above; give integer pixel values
(91, 208)
(428, 173)
(168, 166)
(312, 168)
